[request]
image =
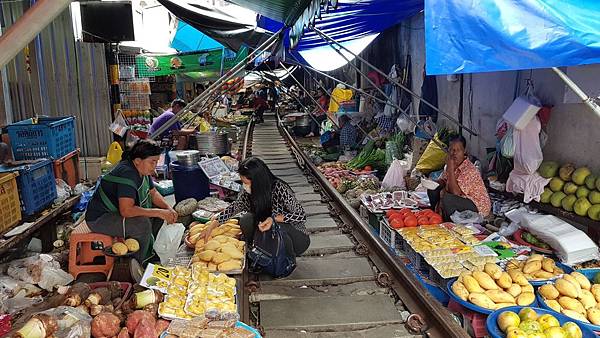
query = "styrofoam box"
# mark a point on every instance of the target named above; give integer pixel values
(94, 167)
(520, 112)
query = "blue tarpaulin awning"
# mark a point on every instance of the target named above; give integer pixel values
(468, 36)
(189, 39)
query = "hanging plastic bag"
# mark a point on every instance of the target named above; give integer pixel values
(167, 241)
(507, 144)
(391, 149)
(433, 158)
(394, 178)
(114, 153)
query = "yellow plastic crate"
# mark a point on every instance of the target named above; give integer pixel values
(10, 210)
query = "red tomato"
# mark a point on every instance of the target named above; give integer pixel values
(423, 220)
(397, 223)
(395, 216)
(435, 219)
(391, 212)
(368, 168)
(410, 221)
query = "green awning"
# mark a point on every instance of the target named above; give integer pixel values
(286, 11)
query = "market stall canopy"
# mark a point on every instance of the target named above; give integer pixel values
(284, 11)
(232, 26)
(189, 39)
(355, 23)
(488, 35)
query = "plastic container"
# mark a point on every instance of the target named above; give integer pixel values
(50, 137)
(189, 182)
(589, 273)
(10, 212)
(37, 187)
(543, 305)
(90, 168)
(495, 332)
(477, 320)
(472, 306)
(520, 112)
(126, 287)
(67, 168)
(566, 269)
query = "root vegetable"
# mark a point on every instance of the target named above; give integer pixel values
(144, 298)
(134, 319)
(145, 329)
(100, 296)
(77, 294)
(152, 308)
(161, 326)
(124, 333)
(105, 325)
(98, 309)
(39, 326)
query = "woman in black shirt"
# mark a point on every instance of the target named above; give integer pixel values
(266, 199)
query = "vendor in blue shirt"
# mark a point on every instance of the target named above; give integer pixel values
(348, 133)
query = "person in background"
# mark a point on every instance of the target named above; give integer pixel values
(176, 106)
(348, 133)
(319, 114)
(126, 204)
(265, 200)
(260, 104)
(461, 186)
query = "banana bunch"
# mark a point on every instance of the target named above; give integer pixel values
(493, 288)
(575, 296)
(223, 252)
(536, 267)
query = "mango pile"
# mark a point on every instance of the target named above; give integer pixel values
(223, 252)
(493, 288)
(575, 296)
(536, 267)
(527, 323)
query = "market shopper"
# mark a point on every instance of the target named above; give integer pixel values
(126, 204)
(461, 186)
(176, 106)
(260, 104)
(265, 200)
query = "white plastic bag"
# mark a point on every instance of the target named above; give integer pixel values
(466, 217)
(168, 240)
(507, 144)
(394, 178)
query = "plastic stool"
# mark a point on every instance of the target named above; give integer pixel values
(82, 255)
(476, 319)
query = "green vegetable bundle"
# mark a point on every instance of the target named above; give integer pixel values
(368, 156)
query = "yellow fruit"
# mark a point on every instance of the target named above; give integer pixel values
(233, 221)
(595, 289)
(233, 252)
(566, 288)
(221, 239)
(525, 298)
(513, 264)
(593, 315)
(575, 283)
(582, 280)
(514, 290)
(587, 299)
(212, 245)
(517, 277)
(548, 264)
(504, 281)
(230, 265)
(542, 274)
(573, 330)
(493, 270)
(471, 284)
(571, 304)
(547, 321)
(484, 280)
(548, 291)
(503, 305)
(462, 275)
(207, 255)
(212, 267)
(460, 290)
(535, 258)
(575, 315)
(499, 296)
(119, 249)
(532, 266)
(481, 299)
(527, 288)
(132, 245)
(220, 258)
(527, 313)
(514, 332)
(508, 319)
(200, 243)
(554, 305)
(554, 332)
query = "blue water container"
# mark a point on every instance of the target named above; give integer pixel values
(189, 182)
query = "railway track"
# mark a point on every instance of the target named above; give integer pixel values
(347, 284)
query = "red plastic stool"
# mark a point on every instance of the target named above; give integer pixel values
(82, 255)
(477, 319)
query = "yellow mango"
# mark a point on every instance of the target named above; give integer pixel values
(535, 258)
(525, 298)
(460, 290)
(593, 315)
(233, 252)
(513, 264)
(532, 266)
(493, 270)
(462, 275)
(575, 315)
(484, 280)
(548, 265)
(233, 221)
(587, 299)
(220, 258)
(471, 284)
(554, 305)
(527, 288)
(566, 288)
(500, 296)
(212, 267)
(595, 289)
(207, 255)
(571, 304)
(575, 283)
(212, 245)
(230, 265)
(582, 280)
(548, 291)
(517, 277)
(481, 299)
(504, 281)
(543, 274)
(514, 290)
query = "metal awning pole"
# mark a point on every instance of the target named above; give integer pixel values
(217, 84)
(328, 38)
(589, 101)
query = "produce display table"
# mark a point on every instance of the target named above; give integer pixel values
(45, 218)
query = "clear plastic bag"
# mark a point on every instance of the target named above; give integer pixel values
(466, 217)
(394, 178)
(167, 241)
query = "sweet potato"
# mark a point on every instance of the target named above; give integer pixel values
(145, 329)
(124, 333)
(134, 319)
(161, 326)
(105, 325)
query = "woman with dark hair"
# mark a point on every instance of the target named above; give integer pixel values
(461, 186)
(126, 204)
(265, 200)
(320, 113)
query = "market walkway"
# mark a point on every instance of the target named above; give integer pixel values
(333, 292)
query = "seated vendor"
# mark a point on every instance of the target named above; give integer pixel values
(461, 186)
(348, 133)
(126, 204)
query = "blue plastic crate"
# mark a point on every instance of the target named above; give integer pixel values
(50, 137)
(37, 188)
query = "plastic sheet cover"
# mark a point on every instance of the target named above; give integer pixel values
(468, 36)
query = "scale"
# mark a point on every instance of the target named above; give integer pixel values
(219, 174)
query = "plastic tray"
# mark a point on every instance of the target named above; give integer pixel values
(494, 331)
(540, 282)
(543, 305)
(519, 240)
(48, 137)
(472, 306)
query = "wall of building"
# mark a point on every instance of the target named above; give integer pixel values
(58, 76)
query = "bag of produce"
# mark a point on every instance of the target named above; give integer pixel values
(168, 240)
(394, 178)
(433, 157)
